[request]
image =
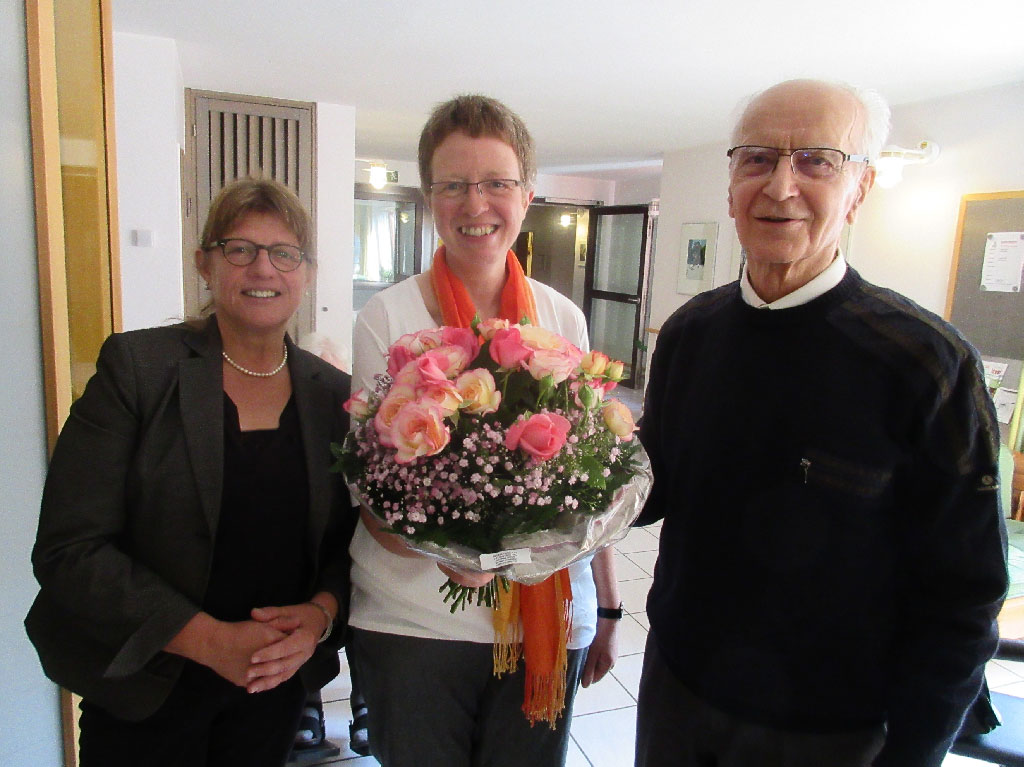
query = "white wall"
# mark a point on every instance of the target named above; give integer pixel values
(904, 237)
(639, 191)
(149, 123)
(29, 714)
(693, 190)
(335, 179)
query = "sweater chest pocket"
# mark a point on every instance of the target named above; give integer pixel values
(843, 475)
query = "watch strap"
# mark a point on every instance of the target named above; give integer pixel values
(611, 613)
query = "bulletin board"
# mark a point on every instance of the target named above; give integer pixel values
(992, 320)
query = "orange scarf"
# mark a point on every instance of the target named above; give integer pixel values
(546, 608)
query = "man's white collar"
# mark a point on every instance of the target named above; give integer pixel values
(824, 282)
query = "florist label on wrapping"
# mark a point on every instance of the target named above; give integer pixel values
(503, 558)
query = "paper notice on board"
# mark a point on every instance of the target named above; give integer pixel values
(1004, 257)
(1005, 401)
(994, 372)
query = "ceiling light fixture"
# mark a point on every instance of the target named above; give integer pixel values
(890, 162)
(378, 175)
(565, 219)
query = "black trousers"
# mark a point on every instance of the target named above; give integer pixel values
(205, 722)
(675, 728)
(437, 703)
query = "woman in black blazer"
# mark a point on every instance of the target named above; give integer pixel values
(193, 544)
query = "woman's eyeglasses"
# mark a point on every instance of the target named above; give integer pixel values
(285, 258)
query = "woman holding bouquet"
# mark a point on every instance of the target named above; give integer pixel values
(428, 674)
(192, 545)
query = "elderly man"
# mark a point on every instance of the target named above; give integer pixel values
(833, 552)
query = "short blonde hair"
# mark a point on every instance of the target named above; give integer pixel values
(258, 195)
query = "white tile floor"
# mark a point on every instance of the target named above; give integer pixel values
(605, 714)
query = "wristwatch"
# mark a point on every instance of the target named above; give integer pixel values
(612, 613)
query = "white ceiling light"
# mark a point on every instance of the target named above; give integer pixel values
(378, 175)
(890, 162)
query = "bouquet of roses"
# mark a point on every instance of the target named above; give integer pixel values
(495, 448)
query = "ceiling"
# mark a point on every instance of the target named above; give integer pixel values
(605, 86)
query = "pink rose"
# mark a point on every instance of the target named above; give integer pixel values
(588, 394)
(418, 429)
(479, 392)
(410, 346)
(399, 395)
(618, 419)
(398, 358)
(507, 348)
(557, 364)
(358, 405)
(540, 436)
(462, 337)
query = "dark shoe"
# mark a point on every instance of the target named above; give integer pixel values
(358, 734)
(311, 728)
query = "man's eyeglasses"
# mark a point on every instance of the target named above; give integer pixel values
(492, 187)
(814, 163)
(285, 258)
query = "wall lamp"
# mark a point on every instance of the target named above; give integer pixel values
(890, 162)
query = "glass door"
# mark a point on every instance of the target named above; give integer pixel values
(614, 294)
(388, 229)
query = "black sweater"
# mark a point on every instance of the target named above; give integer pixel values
(833, 552)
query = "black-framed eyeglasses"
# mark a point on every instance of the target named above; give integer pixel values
(813, 163)
(491, 187)
(285, 258)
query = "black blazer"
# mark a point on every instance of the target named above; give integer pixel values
(130, 510)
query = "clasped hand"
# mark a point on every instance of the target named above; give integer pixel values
(261, 653)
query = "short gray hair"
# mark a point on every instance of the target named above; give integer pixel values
(875, 110)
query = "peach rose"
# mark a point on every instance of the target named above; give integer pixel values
(594, 363)
(557, 364)
(540, 436)
(479, 392)
(399, 395)
(418, 429)
(358, 405)
(541, 338)
(615, 370)
(618, 419)
(445, 396)
(487, 328)
(507, 348)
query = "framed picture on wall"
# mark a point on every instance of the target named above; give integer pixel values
(696, 271)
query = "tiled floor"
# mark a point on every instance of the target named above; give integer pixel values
(605, 713)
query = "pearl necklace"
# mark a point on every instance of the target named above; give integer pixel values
(248, 372)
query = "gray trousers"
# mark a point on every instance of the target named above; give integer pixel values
(437, 703)
(675, 728)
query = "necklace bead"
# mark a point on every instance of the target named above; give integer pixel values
(253, 373)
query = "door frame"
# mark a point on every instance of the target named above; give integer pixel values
(640, 298)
